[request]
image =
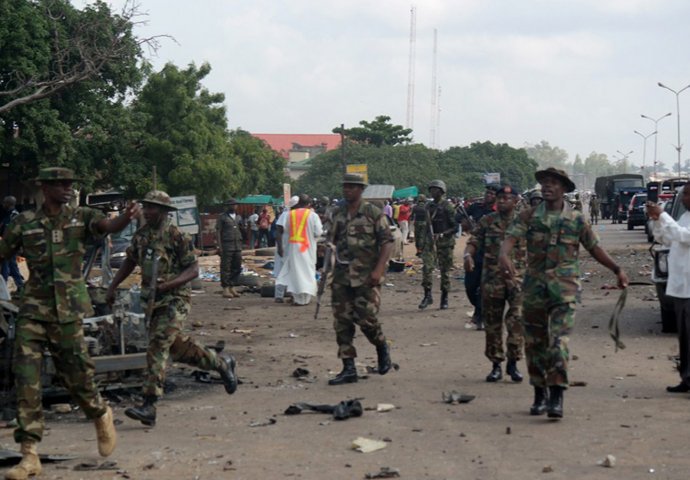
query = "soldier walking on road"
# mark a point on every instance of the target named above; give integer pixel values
(497, 291)
(229, 234)
(594, 210)
(553, 232)
(363, 244)
(439, 242)
(54, 303)
(160, 241)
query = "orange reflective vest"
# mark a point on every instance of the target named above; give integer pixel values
(298, 225)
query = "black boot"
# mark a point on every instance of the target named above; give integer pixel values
(347, 375)
(444, 299)
(496, 373)
(146, 414)
(226, 369)
(539, 405)
(384, 358)
(427, 300)
(512, 370)
(555, 408)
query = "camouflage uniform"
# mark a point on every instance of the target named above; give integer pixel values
(420, 229)
(497, 291)
(551, 287)
(170, 308)
(54, 303)
(442, 217)
(231, 245)
(358, 241)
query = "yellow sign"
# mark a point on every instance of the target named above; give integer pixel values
(359, 168)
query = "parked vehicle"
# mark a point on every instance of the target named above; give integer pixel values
(607, 189)
(660, 274)
(637, 213)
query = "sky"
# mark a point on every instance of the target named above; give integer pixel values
(576, 73)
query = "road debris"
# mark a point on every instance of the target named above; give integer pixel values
(384, 472)
(265, 423)
(608, 462)
(455, 396)
(385, 407)
(367, 445)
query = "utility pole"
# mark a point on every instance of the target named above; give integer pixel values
(434, 93)
(342, 148)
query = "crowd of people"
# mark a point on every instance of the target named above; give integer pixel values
(521, 265)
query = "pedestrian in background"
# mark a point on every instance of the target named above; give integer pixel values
(55, 302)
(677, 235)
(553, 232)
(253, 221)
(404, 219)
(9, 266)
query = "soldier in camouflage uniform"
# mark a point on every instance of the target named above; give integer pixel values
(363, 244)
(159, 240)
(553, 232)
(497, 291)
(229, 237)
(439, 243)
(54, 303)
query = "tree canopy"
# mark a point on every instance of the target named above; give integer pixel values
(378, 133)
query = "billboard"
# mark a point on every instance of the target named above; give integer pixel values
(360, 168)
(186, 217)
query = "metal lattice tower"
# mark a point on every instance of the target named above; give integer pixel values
(434, 92)
(409, 120)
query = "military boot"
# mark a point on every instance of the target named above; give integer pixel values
(347, 375)
(105, 432)
(146, 414)
(384, 358)
(496, 373)
(555, 405)
(512, 370)
(30, 464)
(226, 369)
(444, 299)
(539, 405)
(427, 300)
(227, 293)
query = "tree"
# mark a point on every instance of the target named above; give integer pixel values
(48, 46)
(548, 156)
(263, 167)
(379, 132)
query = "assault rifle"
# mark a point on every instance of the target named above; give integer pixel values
(325, 272)
(153, 284)
(463, 213)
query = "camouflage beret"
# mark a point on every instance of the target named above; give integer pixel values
(354, 179)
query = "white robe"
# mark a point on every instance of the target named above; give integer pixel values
(278, 260)
(299, 268)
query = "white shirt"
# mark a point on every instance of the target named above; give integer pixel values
(676, 234)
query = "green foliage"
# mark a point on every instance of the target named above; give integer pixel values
(379, 132)
(548, 156)
(263, 168)
(462, 168)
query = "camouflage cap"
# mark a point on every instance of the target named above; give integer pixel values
(160, 198)
(558, 175)
(354, 179)
(536, 194)
(56, 174)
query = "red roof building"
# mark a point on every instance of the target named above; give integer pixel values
(299, 148)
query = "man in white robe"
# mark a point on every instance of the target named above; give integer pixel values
(302, 228)
(281, 248)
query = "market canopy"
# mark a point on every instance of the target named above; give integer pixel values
(260, 200)
(406, 192)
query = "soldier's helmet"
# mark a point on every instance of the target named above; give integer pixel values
(56, 174)
(159, 198)
(438, 184)
(536, 194)
(421, 198)
(325, 200)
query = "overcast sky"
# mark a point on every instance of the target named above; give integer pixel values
(575, 73)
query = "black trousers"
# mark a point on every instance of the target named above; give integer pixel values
(230, 268)
(682, 308)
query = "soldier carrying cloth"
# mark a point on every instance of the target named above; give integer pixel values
(160, 241)
(363, 244)
(554, 232)
(54, 303)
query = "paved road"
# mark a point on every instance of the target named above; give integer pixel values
(617, 236)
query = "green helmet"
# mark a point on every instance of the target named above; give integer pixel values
(160, 198)
(536, 194)
(438, 184)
